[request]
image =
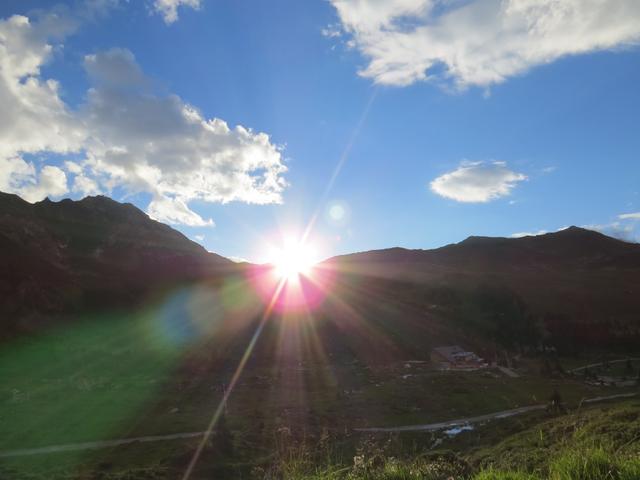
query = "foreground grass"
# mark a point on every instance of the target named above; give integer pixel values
(592, 464)
(595, 444)
(599, 443)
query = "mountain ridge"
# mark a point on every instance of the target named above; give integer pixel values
(481, 239)
(96, 252)
(575, 286)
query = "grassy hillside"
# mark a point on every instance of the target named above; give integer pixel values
(591, 444)
(573, 287)
(155, 373)
(95, 254)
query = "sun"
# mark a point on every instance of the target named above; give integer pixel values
(290, 277)
(293, 259)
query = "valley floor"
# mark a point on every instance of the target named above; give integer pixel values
(112, 398)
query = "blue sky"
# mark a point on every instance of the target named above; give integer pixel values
(532, 129)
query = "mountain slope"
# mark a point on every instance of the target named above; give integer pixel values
(573, 287)
(572, 247)
(576, 285)
(68, 255)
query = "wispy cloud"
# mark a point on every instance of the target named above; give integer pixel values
(535, 234)
(480, 42)
(622, 230)
(237, 259)
(169, 8)
(626, 227)
(528, 234)
(331, 31)
(630, 216)
(477, 182)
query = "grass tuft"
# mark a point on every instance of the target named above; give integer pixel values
(595, 463)
(492, 474)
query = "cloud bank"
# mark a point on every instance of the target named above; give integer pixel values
(125, 136)
(477, 182)
(479, 42)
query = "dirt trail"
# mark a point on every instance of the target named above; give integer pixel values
(176, 436)
(94, 445)
(428, 427)
(593, 365)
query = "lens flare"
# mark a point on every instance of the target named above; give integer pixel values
(295, 265)
(292, 260)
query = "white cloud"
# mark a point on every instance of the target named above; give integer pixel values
(169, 8)
(624, 228)
(159, 144)
(21, 177)
(127, 135)
(114, 68)
(237, 259)
(477, 182)
(51, 181)
(331, 31)
(72, 167)
(34, 119)
(630, 216)
(528, 234)
(175, 211)
(620, 230)
(535, 234)
(480, 42)
(85, 185)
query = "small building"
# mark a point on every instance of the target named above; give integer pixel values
(456, 357)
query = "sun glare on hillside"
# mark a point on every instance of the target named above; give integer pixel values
(291, 277)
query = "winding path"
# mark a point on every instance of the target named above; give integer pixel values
(429, 427)
(593, 365)
(176, 436)
(95, 445)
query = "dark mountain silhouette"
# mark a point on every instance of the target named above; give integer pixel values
(573, 246)
(574, 285)
(65, 256)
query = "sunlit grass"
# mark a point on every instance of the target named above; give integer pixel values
(595, 463)
(83, 382)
